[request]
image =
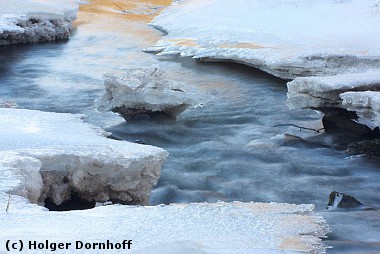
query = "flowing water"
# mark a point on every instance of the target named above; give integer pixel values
(228, 150)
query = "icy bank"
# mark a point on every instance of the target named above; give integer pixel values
(170, 229)
(51, 156)
(357, 92)
(286, 38)
(147, 91)
(26, 21)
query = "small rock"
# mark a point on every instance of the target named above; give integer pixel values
(368, 147)
(341, 200)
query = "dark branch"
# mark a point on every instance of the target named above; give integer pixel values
(119, 7)
(300, 127)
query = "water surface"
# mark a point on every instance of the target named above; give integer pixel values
(227, 150)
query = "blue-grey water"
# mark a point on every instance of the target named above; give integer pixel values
(227, 150)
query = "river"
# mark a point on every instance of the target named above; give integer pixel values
(227, 150)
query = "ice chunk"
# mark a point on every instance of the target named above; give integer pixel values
(51, 156)
(365, 104)
(286, 38)
(25, 21)
(8, 104)
(147, 91)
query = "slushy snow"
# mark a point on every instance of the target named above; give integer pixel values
(146, 91)
(26, 21)
(51, 155)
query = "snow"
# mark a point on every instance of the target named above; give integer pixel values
(178, 228)
(51, 155)
(147, 90)
(283, 37)
(25, 21)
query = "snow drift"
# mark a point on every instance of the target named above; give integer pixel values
(26, 21)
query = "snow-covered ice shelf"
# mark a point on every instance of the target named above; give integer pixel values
(171, 229)
(26, 21)
(286, 38)
(51, 156)
(318, 92)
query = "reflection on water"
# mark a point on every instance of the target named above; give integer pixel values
(227, 150)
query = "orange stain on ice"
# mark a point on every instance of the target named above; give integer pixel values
(185, 42)
(137, 10)
(295, 244)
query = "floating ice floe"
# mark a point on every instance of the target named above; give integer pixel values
(286, 38)
(146, 91)
(26, 21)
(51, 156)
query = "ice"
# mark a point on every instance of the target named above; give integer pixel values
(147, 91)
(356, 92)
(8, 104)
(285, 38)
(178, 228)
(314, 92)
(26, 21)
(51, 156)
(312, 42)
(365, 104)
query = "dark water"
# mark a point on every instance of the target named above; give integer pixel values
(227, 150)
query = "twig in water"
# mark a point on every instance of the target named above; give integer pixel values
(123, 11)
(149, 9)
(9, 201)
(301, 128)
